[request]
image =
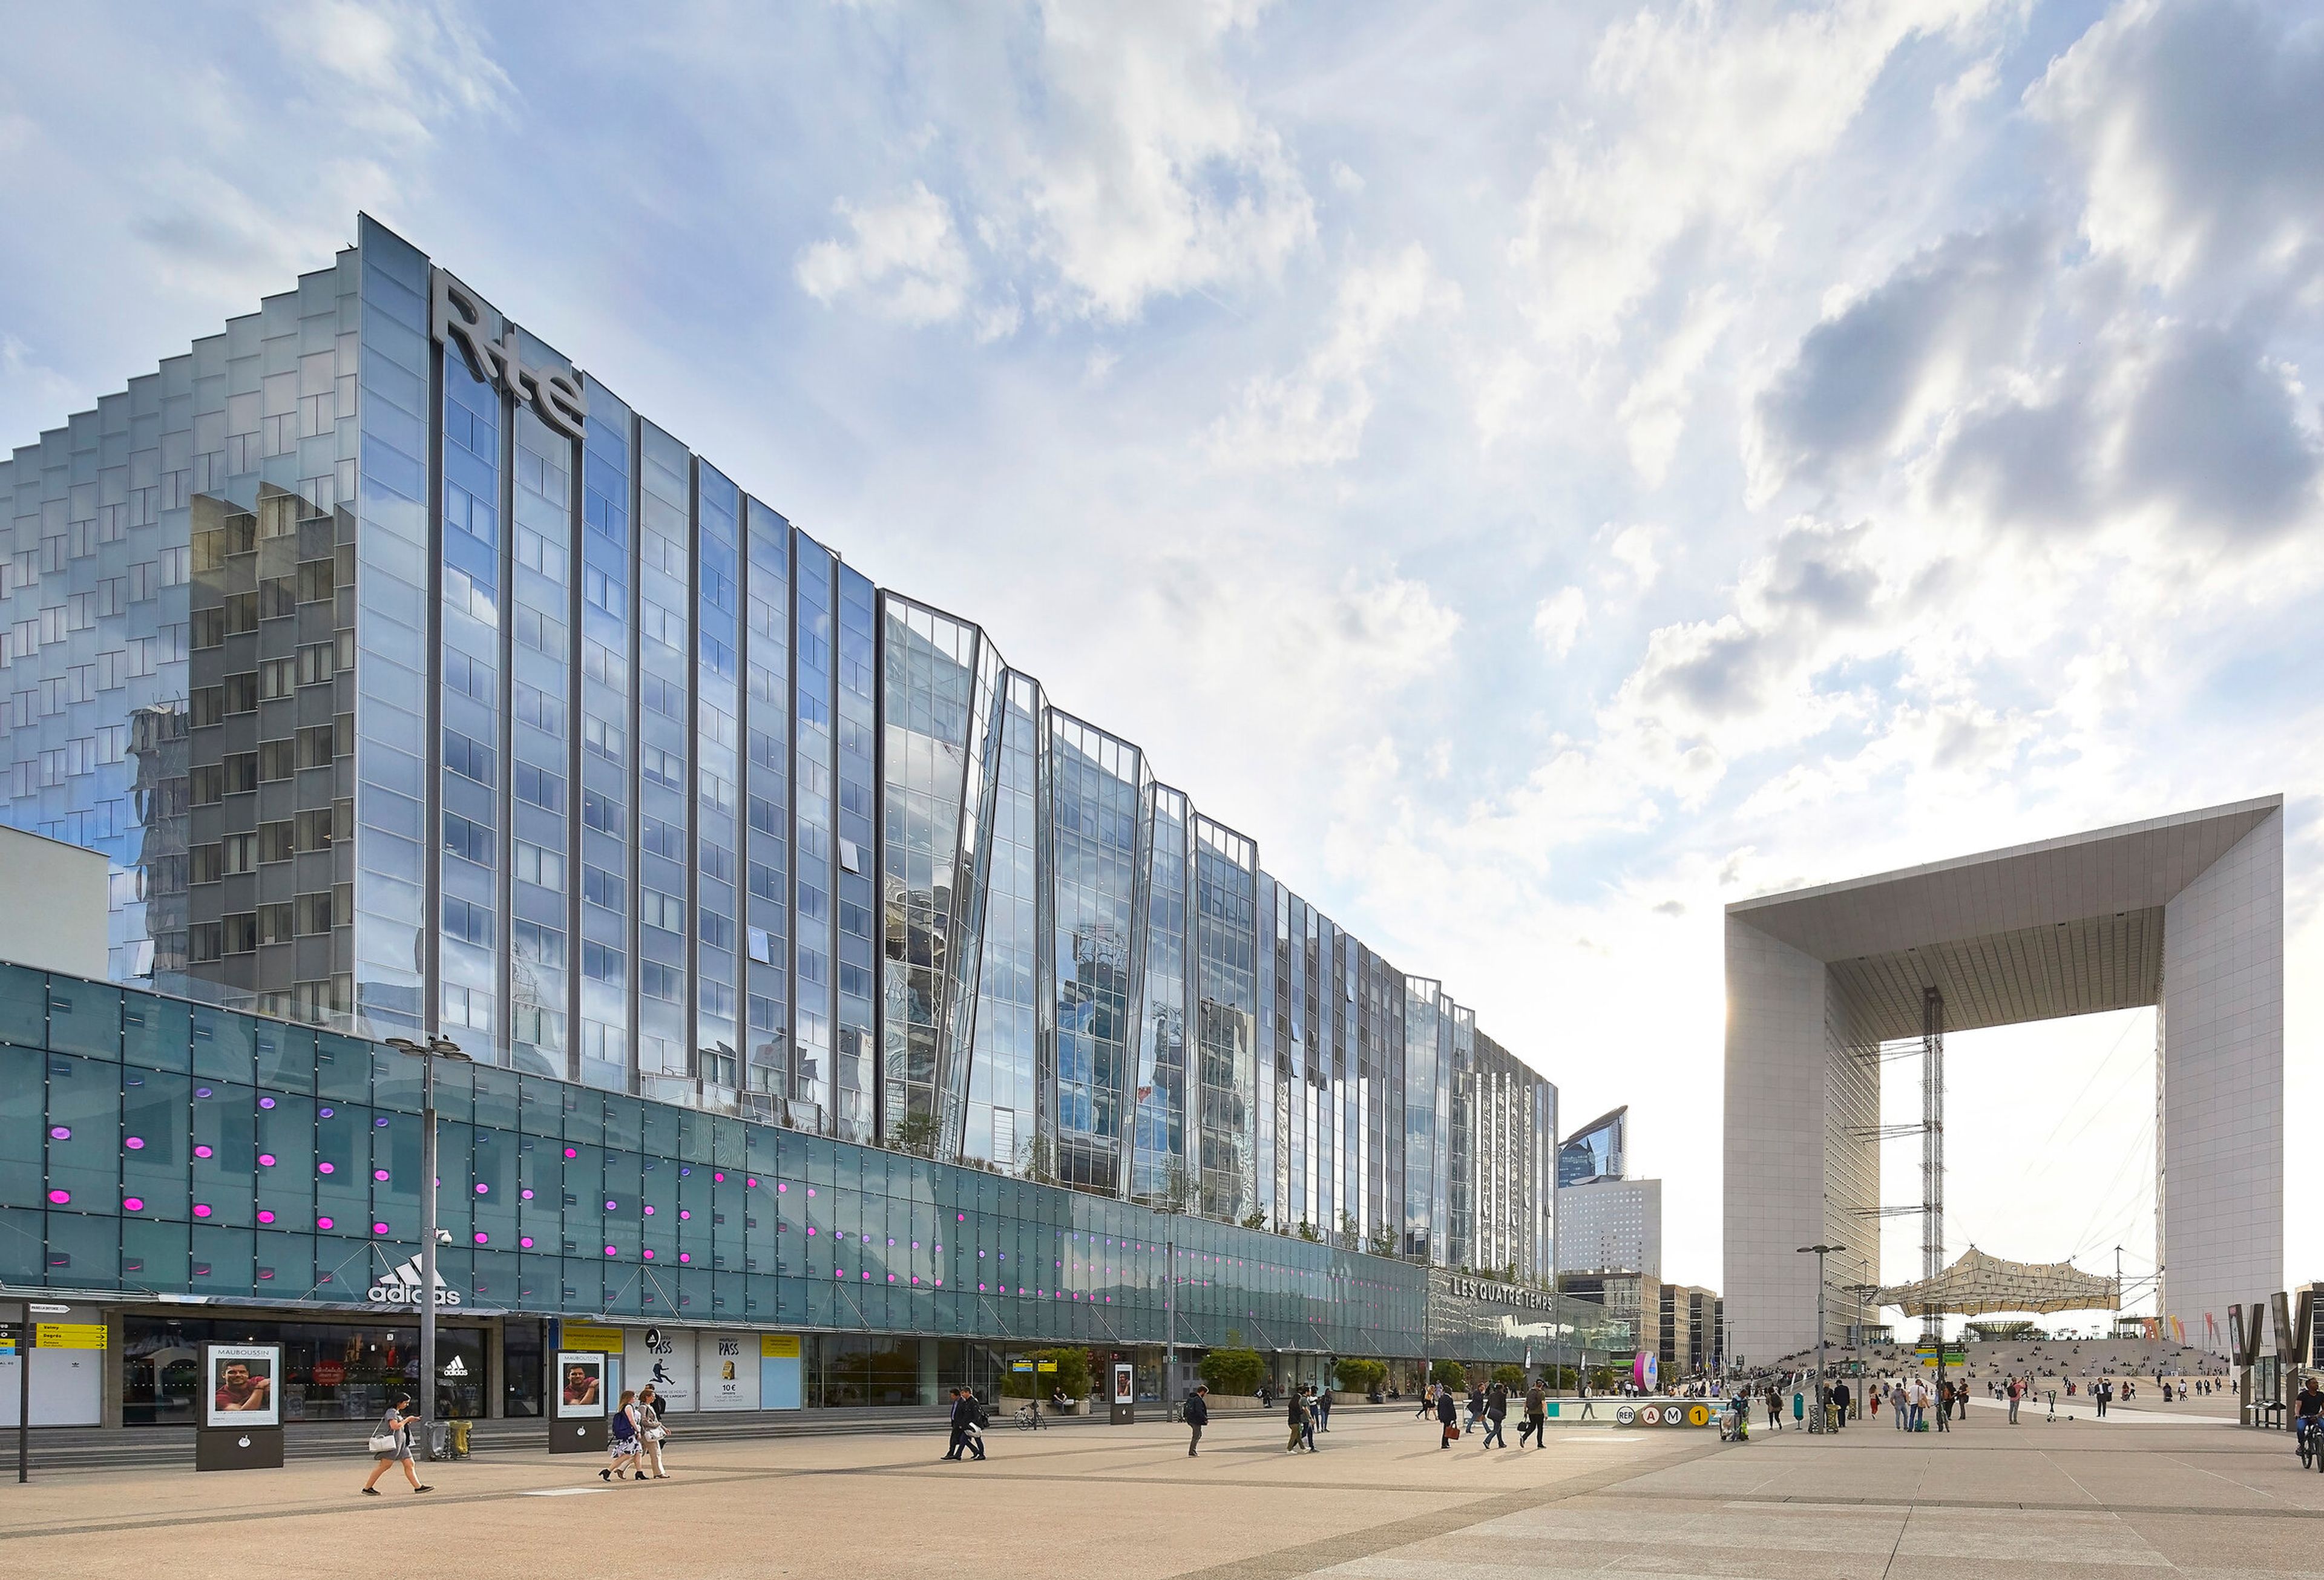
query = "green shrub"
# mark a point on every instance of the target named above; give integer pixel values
(1450, 1373)
(1361, 1376)
(1233, 1371)
(1511, 1377)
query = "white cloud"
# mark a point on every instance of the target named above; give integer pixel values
(901, 260)
(1149, 172)
(1316, 416)
(1558, 620)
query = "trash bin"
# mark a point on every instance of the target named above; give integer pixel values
(440, 1437)
(460, 1427)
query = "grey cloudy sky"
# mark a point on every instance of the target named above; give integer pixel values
(1545, 471)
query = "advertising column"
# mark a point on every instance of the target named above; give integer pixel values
(242, 1409)
(1125, 1395)
(577, 1413)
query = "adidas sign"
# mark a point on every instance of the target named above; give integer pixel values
(454, 1367)
(400, 1287)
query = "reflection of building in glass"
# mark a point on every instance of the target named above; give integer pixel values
(1597, 1151)
(405, 676)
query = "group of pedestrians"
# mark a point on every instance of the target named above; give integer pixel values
(1310, 1412)
(969, 1420)
(634, 1434)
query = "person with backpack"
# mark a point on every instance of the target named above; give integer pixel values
(623, 1441)
(391, 1444)
(1198, 1416)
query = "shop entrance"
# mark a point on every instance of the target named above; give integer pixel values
(331, 1371)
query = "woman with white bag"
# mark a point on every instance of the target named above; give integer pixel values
(652, 1432)
(391, 1444)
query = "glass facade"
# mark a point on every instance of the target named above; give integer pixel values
(150, 1145)
(1596, 1151)
(412, 684)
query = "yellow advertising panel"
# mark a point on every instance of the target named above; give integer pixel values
(778, 1346)
(70, 1335)
(590, 1336)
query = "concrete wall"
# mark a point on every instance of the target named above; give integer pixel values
(53, 900)
(2223, 1087)
(1777, 1076)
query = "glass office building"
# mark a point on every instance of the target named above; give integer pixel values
(414, 684)
(1597, 1151)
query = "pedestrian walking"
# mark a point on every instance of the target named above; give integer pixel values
(622, 1440)
(1774, 1409)
(1588, 1405)
(1497, 1411)
(973, 1428)
(391, 1444)
(1476, 1405)
(1944, 1404)
(1448, 1418)
(1536, 1418)
(1322, 1409)
(2105, 1391)
(652, 1433)
(1307, 1398)
(958, 1443)
(1428, 1402)
(2014, 1395)
(1297, 1415)
(1198, 1416)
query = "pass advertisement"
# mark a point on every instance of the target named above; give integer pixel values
(663, 1358)
(729, 1364)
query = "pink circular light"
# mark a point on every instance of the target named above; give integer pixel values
(811, 1232)
(136, 1143)
(526, 1241)
(266, 1216)
(324, 1222)
(201, 1209)
(781, 1186)
(134, 1203)
(648, 1255)
(685, 1256)
(483, 1239)
(610, 1251)
(752, 1184)
(60, 1132)
(202, 1152)
(327, 1168)
(649, 1212)
(682, 1214)
(720, 1177)
(527, 1195)
(483, 1190)
(59, 1198)
(379, 1173)
(379, 1229)
(265, 1159)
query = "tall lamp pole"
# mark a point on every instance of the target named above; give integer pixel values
(1819, 1419)
(427, 1053)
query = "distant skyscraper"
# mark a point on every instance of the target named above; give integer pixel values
(1597, 1151)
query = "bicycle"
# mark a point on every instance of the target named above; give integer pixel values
(2308, 1432)
(1029, 1419)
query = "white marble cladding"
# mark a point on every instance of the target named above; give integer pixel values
(1796, 1086)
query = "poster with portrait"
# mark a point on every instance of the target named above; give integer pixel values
(580, 1384)
(239, 1386)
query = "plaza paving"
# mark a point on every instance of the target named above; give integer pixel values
(1380, 1502)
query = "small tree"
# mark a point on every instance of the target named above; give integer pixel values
(1233, 1371)
(1254, 1219)
(1307, 1232)
(1450, 1373)
(1361, 1376)
(1383, 1242)
(1508, 1376)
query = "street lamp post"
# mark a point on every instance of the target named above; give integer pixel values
(1820, 1421)
(427, 1053)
